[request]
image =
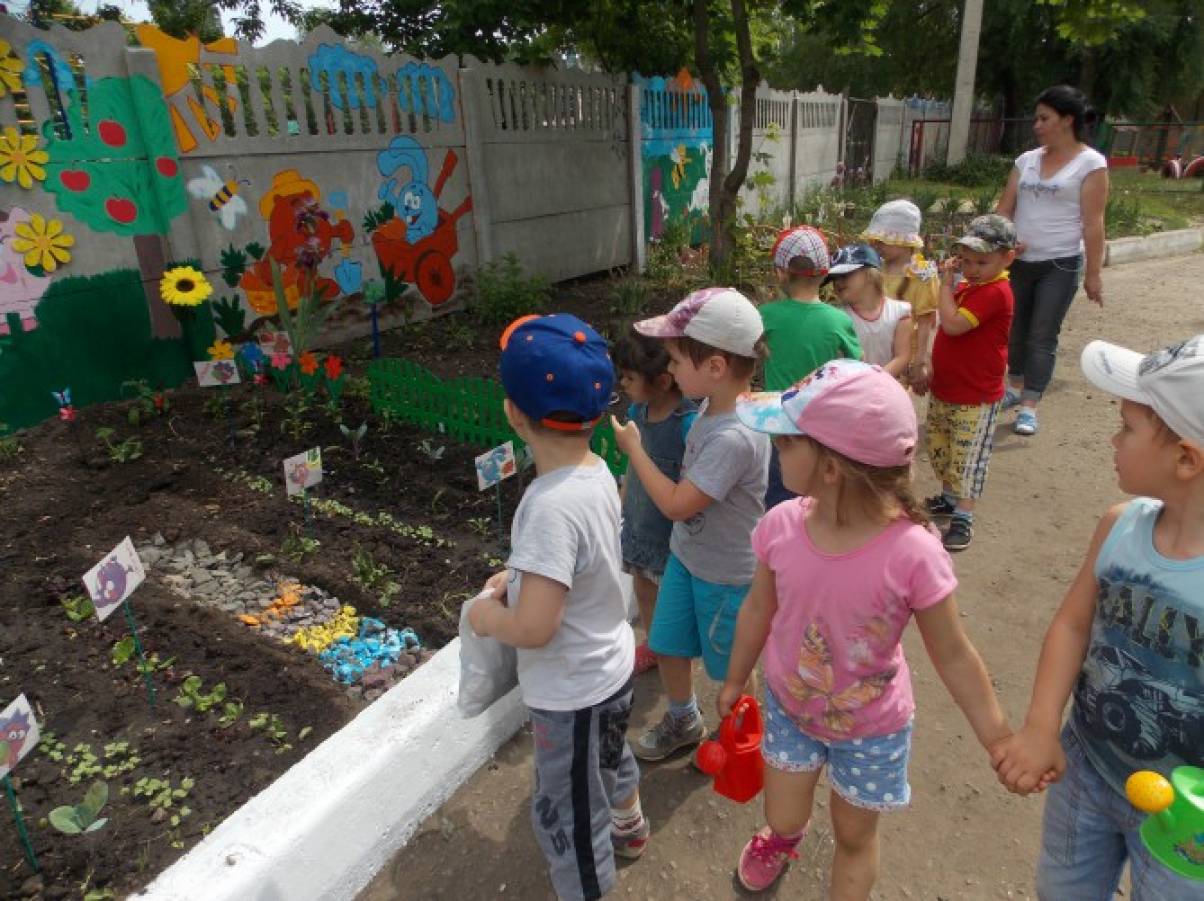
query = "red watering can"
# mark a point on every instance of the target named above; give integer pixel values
(735, 760)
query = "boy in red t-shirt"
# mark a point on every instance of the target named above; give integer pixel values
(969, 360)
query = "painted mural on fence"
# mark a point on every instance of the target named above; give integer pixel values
(675, 124)
(108, 166)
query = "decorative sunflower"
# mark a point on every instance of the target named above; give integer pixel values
(221, 350)
(10, 69)
(43, 242)
(184, 286)
(20, 158)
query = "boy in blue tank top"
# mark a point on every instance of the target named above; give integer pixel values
(1127, 642)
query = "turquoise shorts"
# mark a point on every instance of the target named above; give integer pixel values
(694, 618)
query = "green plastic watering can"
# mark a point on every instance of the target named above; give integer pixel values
(1174, 830)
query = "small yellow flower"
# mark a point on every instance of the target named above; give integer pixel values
(10, 69)
(43, 242)
(20, 158)
(184, 286)
(221, 350)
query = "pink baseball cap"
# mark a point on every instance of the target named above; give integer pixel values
(802, 241)
(721, 317)
(857, 410)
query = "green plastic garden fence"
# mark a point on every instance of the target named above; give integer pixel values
(467, 409)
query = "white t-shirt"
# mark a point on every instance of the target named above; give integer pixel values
(567, 529)
(877, 336)
(1049, 218)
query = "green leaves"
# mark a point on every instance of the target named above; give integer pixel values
(234, 264)
(192, 698)
(85, 816)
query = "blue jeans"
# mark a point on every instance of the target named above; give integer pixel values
(1043, 292)
(1087, 834)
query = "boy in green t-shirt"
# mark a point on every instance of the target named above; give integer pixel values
(801, 331)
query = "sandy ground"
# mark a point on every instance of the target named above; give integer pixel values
(963, 837)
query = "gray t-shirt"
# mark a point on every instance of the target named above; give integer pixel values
(729, 463)
(566, 529)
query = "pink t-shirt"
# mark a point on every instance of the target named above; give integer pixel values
(833, 658)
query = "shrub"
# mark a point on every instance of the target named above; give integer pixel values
(977, 170)
(504, 292)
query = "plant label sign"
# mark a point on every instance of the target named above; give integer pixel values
(275, 343)
(495, 465)
(18, 734)
(114, 578)
(216, 373)
(303, 471)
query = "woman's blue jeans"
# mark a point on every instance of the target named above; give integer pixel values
(1043, 292)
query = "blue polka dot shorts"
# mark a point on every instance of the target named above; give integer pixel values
(867, 772)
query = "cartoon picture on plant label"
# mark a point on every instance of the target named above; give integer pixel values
(114, 578)
(495, 465)
(303, 471)
(216, 373)
(18, 734)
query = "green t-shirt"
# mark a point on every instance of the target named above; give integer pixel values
(802, 337)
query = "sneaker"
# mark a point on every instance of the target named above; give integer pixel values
(938, 505)
(669, 735)
(1026, 422)
(1011, 398)
(764, 858)
(958, 536)
(631, 844)
(644, 658)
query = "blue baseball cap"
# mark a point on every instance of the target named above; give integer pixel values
(852, 257)
(556, 364)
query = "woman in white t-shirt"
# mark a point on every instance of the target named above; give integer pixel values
(1056, 195)
(883, 325)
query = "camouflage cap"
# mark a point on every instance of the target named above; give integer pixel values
(989, 233)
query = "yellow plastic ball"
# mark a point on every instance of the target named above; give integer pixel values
(1149, 791)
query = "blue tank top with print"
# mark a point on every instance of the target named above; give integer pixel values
(1139, 700)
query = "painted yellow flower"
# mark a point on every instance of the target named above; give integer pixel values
(10, 69)
(221, 350)
(43, 242)
(20, 158)
(184, 287)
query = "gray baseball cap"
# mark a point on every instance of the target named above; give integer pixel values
(989, 233)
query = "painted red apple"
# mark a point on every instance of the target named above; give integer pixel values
(75, 179)
(112, 133)
(167, 166)
(121, 210)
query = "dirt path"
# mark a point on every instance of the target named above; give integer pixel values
(963, 837)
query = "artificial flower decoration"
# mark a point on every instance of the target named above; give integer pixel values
(184, 286)
(43, 242)
(281, 360)
(10, 69)
(333, 367)
(308, 363)
(221, 350)
(20, 158)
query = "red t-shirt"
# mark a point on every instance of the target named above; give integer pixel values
(969, 368)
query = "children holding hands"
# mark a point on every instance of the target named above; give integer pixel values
(1125, 643)
(841, 570)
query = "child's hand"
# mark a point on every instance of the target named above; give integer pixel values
(728, 696)
(496, 585)
(950, 267)
(482, 607)
(627, 435)
(1029, 760)
(919, 376)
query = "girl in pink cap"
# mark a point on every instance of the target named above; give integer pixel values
(840, 572)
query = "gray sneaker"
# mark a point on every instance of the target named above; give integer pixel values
(669, 735)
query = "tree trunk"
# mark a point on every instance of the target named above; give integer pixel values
(726, 181)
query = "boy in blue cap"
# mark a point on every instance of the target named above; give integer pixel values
(561, 603)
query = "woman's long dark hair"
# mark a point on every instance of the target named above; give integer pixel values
(1070, 101)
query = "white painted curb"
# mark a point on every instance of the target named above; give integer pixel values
(327, 826)
(1160, 244)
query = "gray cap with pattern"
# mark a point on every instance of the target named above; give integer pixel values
(989, 233)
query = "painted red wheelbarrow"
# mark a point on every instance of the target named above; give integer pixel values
(426, 263)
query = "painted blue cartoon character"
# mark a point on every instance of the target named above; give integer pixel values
(110, 581)
(497, 466)
(413, 201)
